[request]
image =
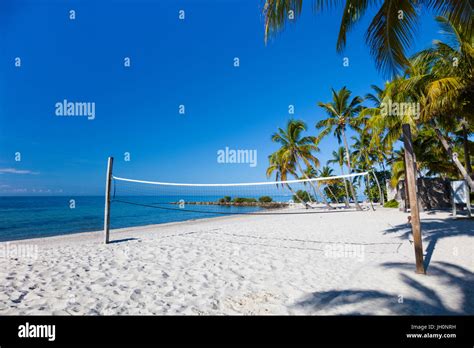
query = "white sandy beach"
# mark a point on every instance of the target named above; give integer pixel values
(327, 263)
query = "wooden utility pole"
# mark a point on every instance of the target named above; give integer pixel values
(410, 181)
(108, 182)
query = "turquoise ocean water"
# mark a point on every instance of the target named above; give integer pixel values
(30, 217)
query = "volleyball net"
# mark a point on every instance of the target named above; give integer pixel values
(312, 195)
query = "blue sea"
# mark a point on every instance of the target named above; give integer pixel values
(31, 217)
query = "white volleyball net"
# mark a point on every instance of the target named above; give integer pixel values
(321, 194)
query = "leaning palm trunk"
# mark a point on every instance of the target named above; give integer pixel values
(369, 196)
(382, 198)
(305, 204)
(349, 167)
(315, 188)
(454, 157)
(384, 181)
(309, 197)
(467, 155)
(332, 193)
(319, 193)
(312, 185)
(316, 196)
(345, 188)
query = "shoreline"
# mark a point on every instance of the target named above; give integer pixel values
(96, 235)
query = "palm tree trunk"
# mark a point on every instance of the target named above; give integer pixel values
(309, 198)
(305, 204)
(314, 187)
(345, 188)
(332, 193)
(349, 167)
(454, 157)
(384, 180)
(382, 198)
(467, 155)
(367, 185)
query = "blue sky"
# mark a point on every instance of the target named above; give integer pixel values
(173, 62)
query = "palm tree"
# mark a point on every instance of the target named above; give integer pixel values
(295, 148)
(429, 161)
(380, 148)
(342, 113)
(445, 89)
(386, 128)
(338, 158)
(326, 172)
(281, 166)
(391, 30)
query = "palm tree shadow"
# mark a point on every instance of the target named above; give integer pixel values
(433, 230)
(374, 301)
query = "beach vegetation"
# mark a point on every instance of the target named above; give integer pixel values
(391, 204)
(341, 113)
(303, 196)
(432, 91)
(265, 199)
(296, 150)
(392, 28)
(244, 200)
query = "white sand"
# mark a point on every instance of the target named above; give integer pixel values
(275, 264)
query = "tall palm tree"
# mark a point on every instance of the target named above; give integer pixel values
(342, 112)
(296, 148)
(338, 157)
(380, 148)
(282, 166)
(391, 31)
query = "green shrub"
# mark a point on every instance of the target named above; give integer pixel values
(244, 200)
(225, 199)
(391, 204)
(303, 196)
(265, 199)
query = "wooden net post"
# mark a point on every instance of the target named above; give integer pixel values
(410, 177)
(108, 182)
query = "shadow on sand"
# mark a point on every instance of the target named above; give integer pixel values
(435, 229)
(371, 300)
(453, 276)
